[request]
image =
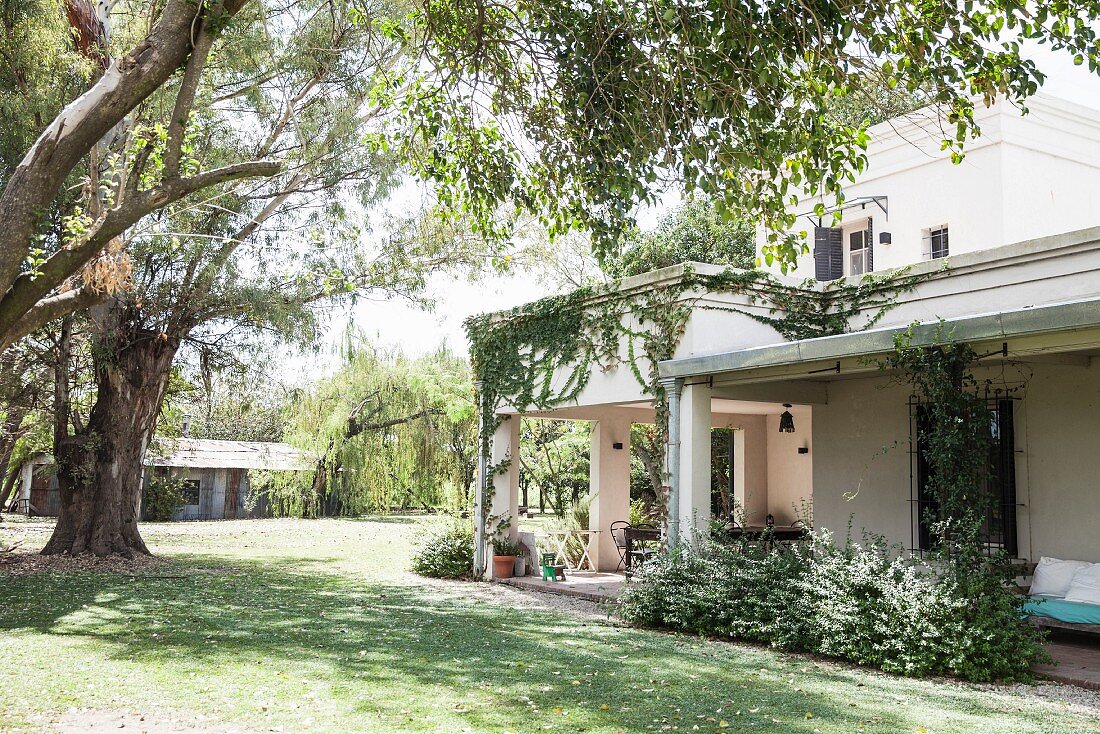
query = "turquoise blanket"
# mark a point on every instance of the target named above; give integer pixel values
(1074, 612)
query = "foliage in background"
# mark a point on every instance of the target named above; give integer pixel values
(580, 111)
(236, 403)
(446, 550)
(163, 498)
(866, 603)
(643, 513)
(696, 231)
(391, 432)
(554, 461)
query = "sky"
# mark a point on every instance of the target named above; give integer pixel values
(416, 332)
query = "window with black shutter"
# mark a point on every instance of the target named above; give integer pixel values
(828, 253)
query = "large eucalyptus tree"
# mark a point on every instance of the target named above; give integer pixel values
(210, 273)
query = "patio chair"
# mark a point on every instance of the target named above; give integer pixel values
(551, 570)
(642, 554)
(618, 534)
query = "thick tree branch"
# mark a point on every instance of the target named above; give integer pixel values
(355, 428)
(28, 288)
(84, 122)
(50, 309)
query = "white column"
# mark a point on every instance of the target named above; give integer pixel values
(695, 422)
(671, 470)
(609, 486)
(479, 485)
(505, 501)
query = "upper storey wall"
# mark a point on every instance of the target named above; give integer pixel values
(1026, 177)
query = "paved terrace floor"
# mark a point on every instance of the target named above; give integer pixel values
(1076, 656)
(589, 585)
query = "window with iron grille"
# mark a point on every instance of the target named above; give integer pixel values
(935, 243)
(999, 526)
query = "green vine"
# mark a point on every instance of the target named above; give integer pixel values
(517, 353)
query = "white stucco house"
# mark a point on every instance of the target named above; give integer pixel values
(1007, 247)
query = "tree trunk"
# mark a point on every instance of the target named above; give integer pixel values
(99, 468)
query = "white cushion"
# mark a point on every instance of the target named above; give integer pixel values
(1053, 576)
(1085, 586)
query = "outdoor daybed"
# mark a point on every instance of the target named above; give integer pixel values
(1065, 595)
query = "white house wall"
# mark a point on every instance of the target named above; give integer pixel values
(1054, 269)
(861, 463)
(790, 474)
(1025, 177)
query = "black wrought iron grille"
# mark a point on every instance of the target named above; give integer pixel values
(999, 529)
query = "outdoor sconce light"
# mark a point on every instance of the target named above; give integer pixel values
(803, 449)
(618, 445)
(786, 421)
(884, 238)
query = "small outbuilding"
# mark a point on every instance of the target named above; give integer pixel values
(215, 476)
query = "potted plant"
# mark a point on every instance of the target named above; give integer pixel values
(505, 551)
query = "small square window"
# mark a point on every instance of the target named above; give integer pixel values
(936, 245)
(190, 492)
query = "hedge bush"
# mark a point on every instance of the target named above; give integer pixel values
(163, 498)
(865, 603)
(446, 551)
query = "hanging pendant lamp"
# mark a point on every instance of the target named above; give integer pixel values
(786, 421)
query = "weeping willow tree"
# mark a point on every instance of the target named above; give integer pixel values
(389, 432)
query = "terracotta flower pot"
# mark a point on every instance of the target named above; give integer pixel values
(504, 567)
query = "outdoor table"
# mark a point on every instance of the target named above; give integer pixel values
(768, 535)
(632, 535)
(559, 539)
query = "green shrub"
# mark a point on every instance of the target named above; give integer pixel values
(865, 603)
(643, 513)
(446, 551)
(163, 498)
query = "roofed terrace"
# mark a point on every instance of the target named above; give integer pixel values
(594, 355)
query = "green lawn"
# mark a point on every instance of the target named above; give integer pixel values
(315, 626)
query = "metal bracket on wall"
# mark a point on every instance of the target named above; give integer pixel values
(835, 368)
(1002, 352)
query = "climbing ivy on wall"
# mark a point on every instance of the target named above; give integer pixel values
(516, 354)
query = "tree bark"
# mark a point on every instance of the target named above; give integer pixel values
(71, 136)
(99, 468)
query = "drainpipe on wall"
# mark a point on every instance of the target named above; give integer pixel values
(673, 388)
(479, 490)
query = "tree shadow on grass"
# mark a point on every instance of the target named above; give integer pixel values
(492, 668)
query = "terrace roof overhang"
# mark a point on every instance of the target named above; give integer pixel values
(1018, 333)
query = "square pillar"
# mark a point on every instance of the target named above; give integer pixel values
(609, 487)
(505, 500)
(695, 478)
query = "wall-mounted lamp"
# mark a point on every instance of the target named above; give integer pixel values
(803, 449)
(786, 420)
(884, 238)
(618, 445)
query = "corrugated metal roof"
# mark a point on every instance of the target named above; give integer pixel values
(200, 453)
